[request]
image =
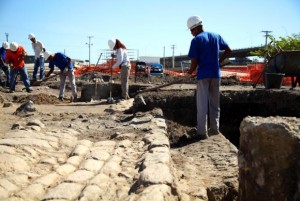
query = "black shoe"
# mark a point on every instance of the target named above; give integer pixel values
(213, 132)
(200, 137)
(75, 99)
(60, 98)
(29, 90)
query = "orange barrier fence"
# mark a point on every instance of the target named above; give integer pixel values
(102, 68)
(249, 74)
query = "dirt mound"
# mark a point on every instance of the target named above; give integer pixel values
(41, 98)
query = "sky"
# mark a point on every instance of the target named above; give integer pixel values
(151, 28)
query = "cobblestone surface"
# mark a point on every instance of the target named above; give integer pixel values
(55, 158)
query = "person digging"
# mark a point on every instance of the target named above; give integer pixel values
(65, 66)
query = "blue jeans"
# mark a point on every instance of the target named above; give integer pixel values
(14, 76)
(39, 62)
(6, 70)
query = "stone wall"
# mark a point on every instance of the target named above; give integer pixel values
(269, 159)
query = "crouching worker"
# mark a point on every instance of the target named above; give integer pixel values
(66, 70)
(3, 64)
(15, 59)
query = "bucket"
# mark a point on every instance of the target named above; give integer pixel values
(273, 80)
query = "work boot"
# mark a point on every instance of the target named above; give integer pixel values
(200, 137)
(213, 132)
(73, 99)
(29, 90)
(194, 134)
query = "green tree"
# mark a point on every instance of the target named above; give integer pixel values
(283, 43)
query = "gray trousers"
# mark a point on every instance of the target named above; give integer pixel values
(71, 77)
(208, 101)
(125, 72)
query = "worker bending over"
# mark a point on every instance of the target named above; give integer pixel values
(66, 70)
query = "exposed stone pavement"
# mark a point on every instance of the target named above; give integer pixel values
(62, 156)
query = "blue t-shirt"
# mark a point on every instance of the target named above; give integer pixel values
(205, 47)
(60, 60)
(3, 53)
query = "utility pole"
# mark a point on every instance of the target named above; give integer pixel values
(266, 45)
(266, 35)
(173, 57)
(6, 34)
(164, 63)
(89, 44)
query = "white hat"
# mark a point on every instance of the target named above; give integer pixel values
(5, 45)
(47, 55)
(111, 43)
(194, 21)
(13, 46)
(31, 36)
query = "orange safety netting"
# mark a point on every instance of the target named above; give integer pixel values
(250, 73)
(102, 68)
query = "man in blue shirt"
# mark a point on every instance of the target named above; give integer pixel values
(66, 70)
(204, 53)
(3, 65)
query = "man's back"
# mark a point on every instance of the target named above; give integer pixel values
(205, 47)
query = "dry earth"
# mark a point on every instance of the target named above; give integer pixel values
(97, 151)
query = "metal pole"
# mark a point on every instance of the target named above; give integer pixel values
(173, 58)
(164, 56)
(266, 35)
(6, 34)
(89, 44)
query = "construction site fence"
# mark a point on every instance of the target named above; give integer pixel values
(251, 73)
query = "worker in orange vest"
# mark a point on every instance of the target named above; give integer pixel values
(15, 59)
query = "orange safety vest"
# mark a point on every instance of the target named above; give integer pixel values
(16, 58)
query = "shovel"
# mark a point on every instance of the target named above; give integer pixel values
(38, 83)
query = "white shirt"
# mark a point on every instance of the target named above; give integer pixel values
(122, 58)
(38, 49)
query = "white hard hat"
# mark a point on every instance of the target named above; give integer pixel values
(31, 36)
(111, 43)
(194, 21)
(13, 46)
(47, 55)
(5, 45)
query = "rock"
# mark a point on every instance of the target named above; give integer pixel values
(8, 104)
(269, 158)
(36, 122)
(25, 108)
(17, 125)
(35, 128)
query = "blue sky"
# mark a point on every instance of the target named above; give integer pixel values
(148, 26)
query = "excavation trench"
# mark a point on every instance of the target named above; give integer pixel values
(179, 108)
